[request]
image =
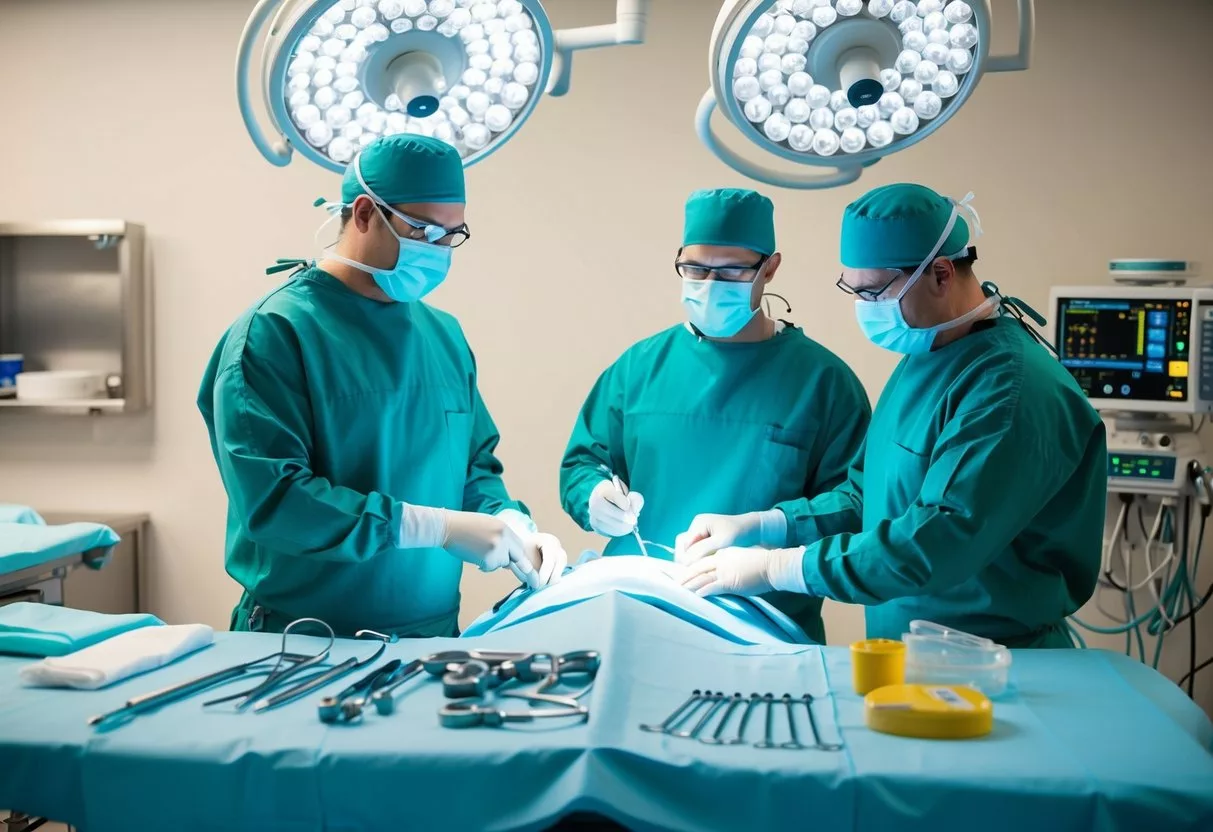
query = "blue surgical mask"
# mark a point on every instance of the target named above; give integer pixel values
(718, 308)
(420, 267)
(884, 324)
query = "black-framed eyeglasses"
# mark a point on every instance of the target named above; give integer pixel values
(892, 275)
(732, 274)
(423, 231)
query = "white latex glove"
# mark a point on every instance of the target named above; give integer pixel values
(736, 571)
(709, 533)
(484, 541)
(613, 513)
(544, 554)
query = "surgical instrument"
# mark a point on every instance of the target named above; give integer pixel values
(384, 699)
(745, 720)
(622, 488)
(347, 705)
(304, 688)
(794, 742)
(471, 714)
(715, 738)
(817, 743)
(675, 718)
(714, 702)
(149, 702)
(768, 740)
(276, 676)
(576, 663)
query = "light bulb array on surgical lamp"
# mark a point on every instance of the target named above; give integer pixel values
(326, 92)
(337, 74)
(842, 83)
(781, 98)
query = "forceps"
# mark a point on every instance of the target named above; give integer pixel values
(622, 487)
(471, 714)
(149, 702)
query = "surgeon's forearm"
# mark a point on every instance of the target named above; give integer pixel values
(306, 516)
(925, 550)
(834, 512)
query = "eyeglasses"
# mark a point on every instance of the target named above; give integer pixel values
(426, 231)
(882, 277)
(733, 274)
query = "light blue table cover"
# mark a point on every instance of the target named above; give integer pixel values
(47, 630)
(1089, 740)
(23, 545)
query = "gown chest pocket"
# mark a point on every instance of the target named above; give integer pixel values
(787, 460)
(905, 471)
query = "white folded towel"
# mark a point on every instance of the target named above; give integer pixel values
(125, 655)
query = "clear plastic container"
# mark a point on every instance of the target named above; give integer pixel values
(938, 655)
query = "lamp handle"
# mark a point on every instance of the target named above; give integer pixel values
(277, 152)
(769, 176)
(1021, 59)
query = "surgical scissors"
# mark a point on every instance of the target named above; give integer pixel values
(472, 673)
(347, 705)
(149, 702)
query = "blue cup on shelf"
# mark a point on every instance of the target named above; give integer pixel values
(10, 365)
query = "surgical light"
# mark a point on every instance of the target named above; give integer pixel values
(898, 68)
(337, 74)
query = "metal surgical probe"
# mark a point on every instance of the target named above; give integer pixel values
(715, 738)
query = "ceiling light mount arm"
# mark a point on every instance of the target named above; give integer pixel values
(631, 18)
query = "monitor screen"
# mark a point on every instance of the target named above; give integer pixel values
(1134, 349)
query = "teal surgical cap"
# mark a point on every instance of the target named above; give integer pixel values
(406, 168)
(730, 217)
(898, 226)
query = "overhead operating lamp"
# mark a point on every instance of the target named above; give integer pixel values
(836, 85)
(335, 76)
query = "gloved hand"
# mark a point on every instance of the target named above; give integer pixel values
(484, 541)
(735, 571)
(545, 557)
(709, 533)
(613, 513)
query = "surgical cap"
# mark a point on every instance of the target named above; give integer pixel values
(730, 217)
(898, 226)
(406, 168)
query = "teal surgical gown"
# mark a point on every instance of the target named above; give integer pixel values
(978, 502)
(326, 410)
(708, 427)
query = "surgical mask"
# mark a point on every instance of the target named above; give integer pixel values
(421, 265)
(883, 322)
(718, 308)
(420, 268)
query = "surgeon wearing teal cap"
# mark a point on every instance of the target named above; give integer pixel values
(978, 500)
(349, 432)
(731, 412)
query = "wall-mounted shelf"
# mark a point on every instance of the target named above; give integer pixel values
(86, 405)
(76, 295)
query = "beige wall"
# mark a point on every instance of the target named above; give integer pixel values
(125, 108)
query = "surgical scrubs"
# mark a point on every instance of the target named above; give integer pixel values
(700, 426)
(978, 502)
(327, 409)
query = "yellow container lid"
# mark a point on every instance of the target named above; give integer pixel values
(950, 712)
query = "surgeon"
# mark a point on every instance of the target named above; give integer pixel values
(730, 412)
(978, 501)
(345, 419)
